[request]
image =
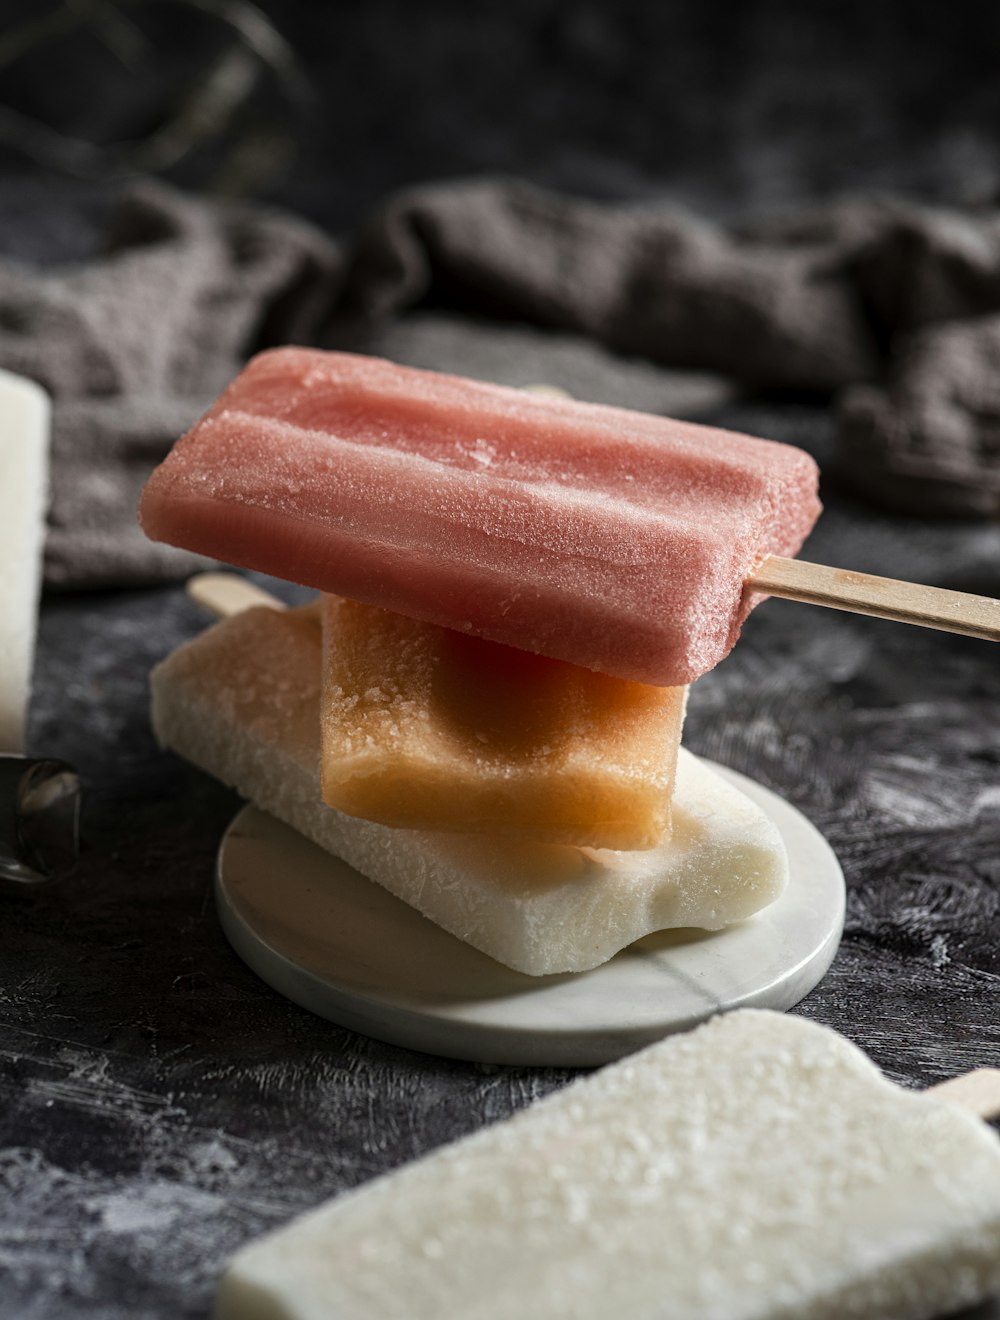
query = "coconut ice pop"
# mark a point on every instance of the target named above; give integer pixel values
(431, 729)
(758, 1168)
(242, 702)
(615, 540)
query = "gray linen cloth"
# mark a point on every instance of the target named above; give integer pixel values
(892, 309)
(135, 344)
(889, 311)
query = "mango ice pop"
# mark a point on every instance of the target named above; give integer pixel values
(431, 729)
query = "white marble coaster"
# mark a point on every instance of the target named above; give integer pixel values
(334, 942)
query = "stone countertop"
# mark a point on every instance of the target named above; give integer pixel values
(161, 1105)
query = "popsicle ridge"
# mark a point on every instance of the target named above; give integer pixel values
(615, 540)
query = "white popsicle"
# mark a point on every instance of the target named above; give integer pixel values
(759, 1168)
(241, 701)
(24, 467)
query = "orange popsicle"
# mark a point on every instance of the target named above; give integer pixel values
(425, 728)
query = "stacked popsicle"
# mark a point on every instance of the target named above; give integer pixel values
(615, 540)
(433, 729)
(242, 701)
(529, 584)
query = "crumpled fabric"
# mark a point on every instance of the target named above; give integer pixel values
(890, 309)
(136, 343)
(887, 311)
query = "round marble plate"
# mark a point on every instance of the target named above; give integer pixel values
(340, 945)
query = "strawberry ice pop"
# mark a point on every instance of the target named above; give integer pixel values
(616, 540)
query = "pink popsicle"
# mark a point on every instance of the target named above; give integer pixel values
(616, 540)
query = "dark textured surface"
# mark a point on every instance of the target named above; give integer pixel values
(161, 1105)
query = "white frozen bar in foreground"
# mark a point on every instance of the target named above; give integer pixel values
(24, 471)
(758, 1168)
(242, 701)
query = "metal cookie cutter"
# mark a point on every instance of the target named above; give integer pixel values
(39, 797)
(39, 818)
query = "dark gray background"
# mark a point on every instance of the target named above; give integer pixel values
(159, 1104)
(729, 107)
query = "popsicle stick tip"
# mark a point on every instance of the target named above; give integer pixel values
(879, 597)
(225, 594)
(977, 1091)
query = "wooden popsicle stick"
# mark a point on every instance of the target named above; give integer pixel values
(884, 598)
(978, 1091)
(228, 593)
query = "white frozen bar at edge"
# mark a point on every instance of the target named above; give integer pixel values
(24, 468)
